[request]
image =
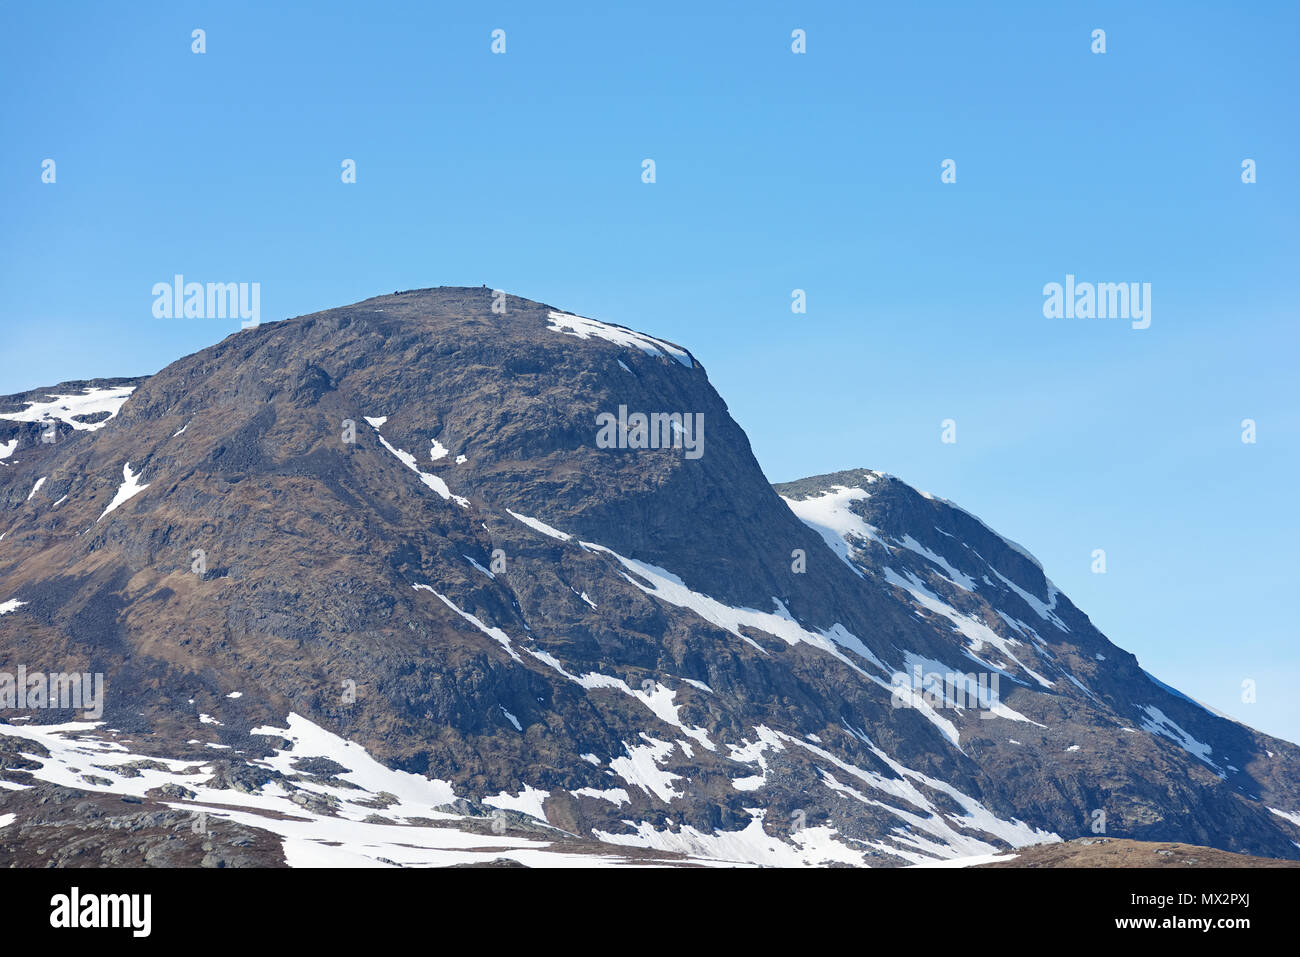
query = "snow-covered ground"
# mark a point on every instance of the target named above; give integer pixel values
(69, 408)
(384, 818)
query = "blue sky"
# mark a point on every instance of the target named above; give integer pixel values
(775, 171)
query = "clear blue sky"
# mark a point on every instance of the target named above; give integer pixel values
(775, 171)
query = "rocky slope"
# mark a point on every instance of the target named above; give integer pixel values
(368, 580)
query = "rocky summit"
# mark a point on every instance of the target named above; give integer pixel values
(449, 577)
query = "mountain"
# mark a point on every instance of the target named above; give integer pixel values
(371, 586)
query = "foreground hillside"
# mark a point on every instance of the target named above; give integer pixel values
(1117, 852)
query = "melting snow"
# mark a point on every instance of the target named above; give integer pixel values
(67, 408)
(585, 328)
(943, 841)
(407, 459)
(831, 517)
(1157, 722)
(641, 769)
(511, 718)
(665, 585)
(12, 604)
(349, 836)
(658, 698)
(130, 486)
(966, 682)
(976, 632)
(1044, 610)
(310, 838)
(615, 796)
(1018, 549)
(1078, 684)
(1293, 818)
(530, 801)
(958, 578)
(752, 845)
(752, 753)
(539, 526)
(668, 587)
(496, 634)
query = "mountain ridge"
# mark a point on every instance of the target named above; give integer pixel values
(644, 610)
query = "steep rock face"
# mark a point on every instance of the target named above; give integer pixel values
(1113, 738)
(395, 520)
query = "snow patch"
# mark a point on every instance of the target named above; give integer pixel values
(812, 846)
(68, 408)
(944, 839)
(640, 768)
(1293, 818)
(830, 515)
(511, 718)
(496, 634)
(956, 577)
(407, 459)
(976, 633)
(585, 328)
(1157, 722)
(615, 796)
(667, 587)
(130, 487)
(529, 801)
(538, 525)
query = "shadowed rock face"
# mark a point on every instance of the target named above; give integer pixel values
(735, 649)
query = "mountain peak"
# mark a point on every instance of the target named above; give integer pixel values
(376, 564)
(473, 311)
